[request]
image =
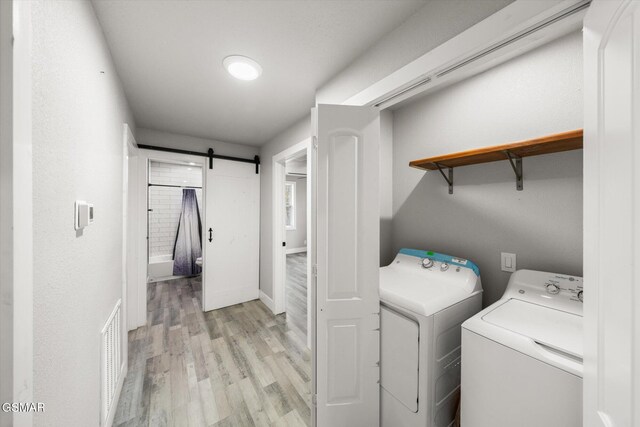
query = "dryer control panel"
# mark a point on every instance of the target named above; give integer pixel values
(560, 291)
(441, 261)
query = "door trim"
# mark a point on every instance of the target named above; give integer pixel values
(144, 157)
(279, 258)
(133, 317)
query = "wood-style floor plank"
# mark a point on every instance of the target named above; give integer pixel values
(237, 366)
(296, 293)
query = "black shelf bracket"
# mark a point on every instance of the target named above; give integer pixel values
(449, 179)
(516, 165)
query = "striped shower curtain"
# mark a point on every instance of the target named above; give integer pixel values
(188, 245)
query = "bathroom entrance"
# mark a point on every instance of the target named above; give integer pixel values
(199, 217)
(174, 212)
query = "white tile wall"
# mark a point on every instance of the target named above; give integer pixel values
(166, 203)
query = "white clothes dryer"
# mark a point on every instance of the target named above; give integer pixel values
(425, 296)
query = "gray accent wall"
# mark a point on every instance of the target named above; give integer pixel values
(386, 186)
(435, 23)
(533, 95)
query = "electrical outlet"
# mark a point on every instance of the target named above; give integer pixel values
(508, 262)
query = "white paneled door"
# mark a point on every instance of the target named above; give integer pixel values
(612, 214)
(231, 234)
(347, 222)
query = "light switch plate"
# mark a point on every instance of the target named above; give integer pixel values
(508, 262)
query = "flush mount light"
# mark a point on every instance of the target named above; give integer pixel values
(242, 68)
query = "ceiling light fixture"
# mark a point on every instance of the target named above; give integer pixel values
(242, 68)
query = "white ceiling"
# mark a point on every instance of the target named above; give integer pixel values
(169, 56)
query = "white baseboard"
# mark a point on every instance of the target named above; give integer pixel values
(236, 296)
(268, 301)
(296, 250)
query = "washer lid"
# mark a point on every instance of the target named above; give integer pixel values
(553, 328)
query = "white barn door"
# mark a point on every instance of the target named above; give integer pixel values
(347, 345)
(612, 214)
(231, 234)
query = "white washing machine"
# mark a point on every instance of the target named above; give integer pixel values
(522, 356)
(425, 296)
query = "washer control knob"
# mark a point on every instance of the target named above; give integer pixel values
(553, 289)
(427, 263)
(444, 266)
(580, 295)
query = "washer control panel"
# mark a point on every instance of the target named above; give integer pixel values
(553, 289)
(556, 290)
(569, 286)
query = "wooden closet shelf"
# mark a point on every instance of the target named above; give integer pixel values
(513, 152)
(565, 141)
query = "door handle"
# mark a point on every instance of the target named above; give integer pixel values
(210, 234)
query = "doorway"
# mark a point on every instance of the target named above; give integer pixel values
(292, 236)
(174, 219)
(151, 184)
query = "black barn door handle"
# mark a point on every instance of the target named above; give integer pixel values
(211, 234)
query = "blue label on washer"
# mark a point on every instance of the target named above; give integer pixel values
(442, 258)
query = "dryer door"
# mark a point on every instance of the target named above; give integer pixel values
(399, 355)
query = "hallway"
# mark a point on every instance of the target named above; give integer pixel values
(296, 296)
(237, 366)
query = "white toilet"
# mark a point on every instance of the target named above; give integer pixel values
(425, 296)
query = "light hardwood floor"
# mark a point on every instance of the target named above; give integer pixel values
(237, 366)
(296, 294)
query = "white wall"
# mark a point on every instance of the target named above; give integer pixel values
(296, 133)
(533, 95)
(184, 142)
(6, 209)
(166, 203)
(78, 112)
(298, 238)
(296, 166)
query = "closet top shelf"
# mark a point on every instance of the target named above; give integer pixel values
(565, 141)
